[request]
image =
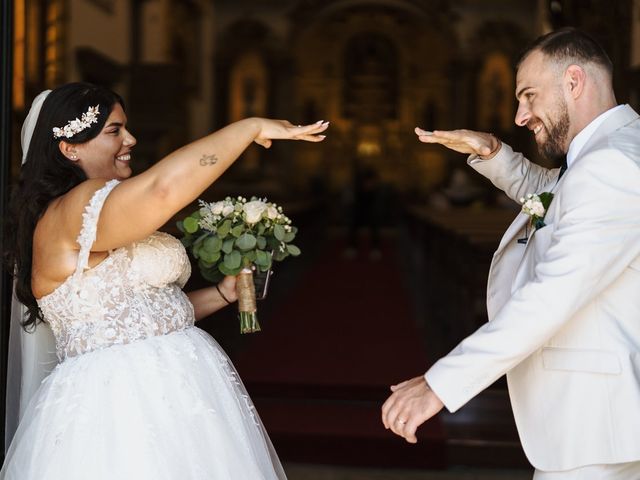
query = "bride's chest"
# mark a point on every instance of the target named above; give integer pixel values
(156, 261)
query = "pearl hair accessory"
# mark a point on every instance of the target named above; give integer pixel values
(76, 126)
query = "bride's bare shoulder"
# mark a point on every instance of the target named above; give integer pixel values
(76, 199)
(63, 216)
(55, 249)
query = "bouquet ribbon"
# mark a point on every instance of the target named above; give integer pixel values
(247, 309)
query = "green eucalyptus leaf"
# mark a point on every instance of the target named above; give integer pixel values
(545, 199)
(278, 232)
(204, 255)
(195, 249)
(261, 242)
(261, 229)
(180, 225)
(227, 245)
(251, 255)
(201, 238)
(212, 275)
(202, 264)
(206, 246)
(289, 237)
(190, 225)
(213, 244)
(273, 243)
(187, 241)
(293, 250)
(224, 229)
(261, 258)
(278, 256)
(246, 261)
(233, 260)
(229, 271)
(210, 257)
(246, 242)
(237, 230)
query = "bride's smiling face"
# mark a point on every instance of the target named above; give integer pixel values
(108, 155)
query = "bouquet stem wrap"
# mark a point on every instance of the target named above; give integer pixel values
(235, 237)
(247, 302)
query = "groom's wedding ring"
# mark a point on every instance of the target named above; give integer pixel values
(403, 422)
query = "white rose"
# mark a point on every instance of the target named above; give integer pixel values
(253, 211)
(272, 212)
(217, 208)
(538, 210)
(227, 209)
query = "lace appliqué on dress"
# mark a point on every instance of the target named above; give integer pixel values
(135, 293)
(89, 229)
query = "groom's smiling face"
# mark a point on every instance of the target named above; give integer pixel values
(542, 107)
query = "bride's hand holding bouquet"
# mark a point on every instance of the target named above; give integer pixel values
(235, 237)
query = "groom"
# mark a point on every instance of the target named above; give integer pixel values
(564, 307)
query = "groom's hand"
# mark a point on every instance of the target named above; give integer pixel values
(482, 144)
(410, 405)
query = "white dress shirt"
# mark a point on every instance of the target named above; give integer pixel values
(581, 139)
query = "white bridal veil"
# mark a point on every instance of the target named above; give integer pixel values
(32, 356)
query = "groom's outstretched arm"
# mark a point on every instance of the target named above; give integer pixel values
(510, 171)
(483, 145)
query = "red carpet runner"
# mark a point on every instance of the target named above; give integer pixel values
(321, 368)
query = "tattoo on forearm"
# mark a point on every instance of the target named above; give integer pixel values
(209, 160)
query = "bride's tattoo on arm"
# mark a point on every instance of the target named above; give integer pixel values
(209, 160)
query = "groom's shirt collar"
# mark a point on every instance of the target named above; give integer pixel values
(581, 139)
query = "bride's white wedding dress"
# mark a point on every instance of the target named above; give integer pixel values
(140, 393)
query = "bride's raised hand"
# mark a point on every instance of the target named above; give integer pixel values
(464, 141)
(284, 130)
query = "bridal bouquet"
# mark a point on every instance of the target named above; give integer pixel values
(237, 237)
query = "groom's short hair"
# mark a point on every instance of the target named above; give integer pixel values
(570, 45)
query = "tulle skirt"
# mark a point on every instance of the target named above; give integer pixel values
(170, 407)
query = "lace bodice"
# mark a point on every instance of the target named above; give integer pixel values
(135, 293)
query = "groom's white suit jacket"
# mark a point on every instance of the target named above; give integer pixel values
(564, 309)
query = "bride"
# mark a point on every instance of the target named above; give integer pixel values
(139, 392)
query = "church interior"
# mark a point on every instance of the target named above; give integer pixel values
(396, 236)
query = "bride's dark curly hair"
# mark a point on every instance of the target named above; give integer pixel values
(47, 174)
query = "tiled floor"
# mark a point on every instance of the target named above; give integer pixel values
(324, 472)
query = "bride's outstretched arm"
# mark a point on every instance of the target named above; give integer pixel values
(211, 299)
(142, 204)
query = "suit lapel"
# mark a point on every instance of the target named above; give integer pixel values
(616, 121)
(516, 226)
(521, 220)
(507, 266)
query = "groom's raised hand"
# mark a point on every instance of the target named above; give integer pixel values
(410, 405)
(482, 144)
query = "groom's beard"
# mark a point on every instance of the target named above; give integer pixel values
(557, 132)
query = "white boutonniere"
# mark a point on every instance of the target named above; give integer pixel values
(536, 207)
